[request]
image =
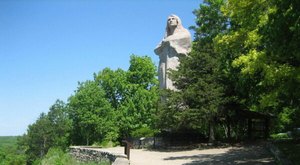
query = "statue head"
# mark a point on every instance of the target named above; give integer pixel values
(173, 25)
(172, 21)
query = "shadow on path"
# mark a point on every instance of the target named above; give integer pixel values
(246, 155)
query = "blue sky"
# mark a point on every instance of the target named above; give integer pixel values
(47, 47)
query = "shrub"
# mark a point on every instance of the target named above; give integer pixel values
(143, 132)
(280, 136)
(56, 156)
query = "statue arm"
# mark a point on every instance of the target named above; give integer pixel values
(182, 44)
(159, 49)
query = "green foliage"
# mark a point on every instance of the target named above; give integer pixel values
(50, 130)
(56, 156)
(144, 132)
(238, 48)
(10, 153)
(38, 138)
(262, 57)
(92, 114)
(280, 136)
(113, 83)
(107, 144)
(8, 141)
(142, 72)
(60, 123)
(133, 94)
(101, 111)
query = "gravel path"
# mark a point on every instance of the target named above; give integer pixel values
(245, 155)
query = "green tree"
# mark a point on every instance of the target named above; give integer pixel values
(140, 99)
(105, 109)
(132, 93)
(10, 152)
(92, 114)
(261, 49)
(114, 84)
(61, 124)
(281, 35)
(38, 138)
(115, 103)
(243, 43)
(49, 130)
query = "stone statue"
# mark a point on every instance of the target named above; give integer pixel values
(176, 43)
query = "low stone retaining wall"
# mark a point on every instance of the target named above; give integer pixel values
(161, 142)
(85, 154)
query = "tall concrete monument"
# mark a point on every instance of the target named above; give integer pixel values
(176, 43)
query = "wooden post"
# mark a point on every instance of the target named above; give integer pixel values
(250, 128)
(267, 122)
(127, 147)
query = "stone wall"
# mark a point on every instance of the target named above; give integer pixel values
(85, 154)
(165, 142)
(149, 142)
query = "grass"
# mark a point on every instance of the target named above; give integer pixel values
(291, 149)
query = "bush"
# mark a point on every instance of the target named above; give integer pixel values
(280, 136)
(143, 132)
(10, 154)
(56, 156)
(105, 144)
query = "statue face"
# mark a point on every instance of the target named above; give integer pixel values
(172, 22)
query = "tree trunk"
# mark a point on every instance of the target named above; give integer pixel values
(228, 130)
(87, 141)
(211, 131)
(42, 153)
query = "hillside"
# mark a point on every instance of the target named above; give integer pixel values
(8, 141)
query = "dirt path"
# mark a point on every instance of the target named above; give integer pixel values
(245, 155)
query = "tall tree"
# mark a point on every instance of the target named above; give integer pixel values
(132, 93)
(140, 102)
(92, 115)
(261, 46)
(281, 35)
(50, 130)
(114, 84)
(61, 124)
